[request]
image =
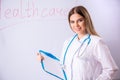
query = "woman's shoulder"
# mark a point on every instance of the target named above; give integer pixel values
(96, 39)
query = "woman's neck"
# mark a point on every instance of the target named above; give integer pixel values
(81, 35)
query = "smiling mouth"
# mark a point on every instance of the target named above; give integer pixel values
(78, 28)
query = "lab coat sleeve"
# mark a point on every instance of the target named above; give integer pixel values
(104, 57)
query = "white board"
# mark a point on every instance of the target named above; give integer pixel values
(26, 26)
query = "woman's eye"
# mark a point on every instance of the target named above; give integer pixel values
(71, 21)
(80, 20)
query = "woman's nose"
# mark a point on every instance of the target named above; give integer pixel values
(76, 24)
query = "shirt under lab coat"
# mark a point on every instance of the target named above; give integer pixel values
(91, 61)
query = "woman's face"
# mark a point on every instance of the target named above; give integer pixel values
(77, 24)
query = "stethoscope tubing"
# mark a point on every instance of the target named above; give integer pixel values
(55, 58)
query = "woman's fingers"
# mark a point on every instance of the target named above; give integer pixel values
(39, 57)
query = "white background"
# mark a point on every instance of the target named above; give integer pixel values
(26, 26)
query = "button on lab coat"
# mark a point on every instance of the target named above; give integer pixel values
(91, 61)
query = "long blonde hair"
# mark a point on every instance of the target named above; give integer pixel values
(88, 22)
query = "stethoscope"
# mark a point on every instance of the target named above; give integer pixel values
(88, 39)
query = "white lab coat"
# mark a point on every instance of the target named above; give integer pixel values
(92, 62)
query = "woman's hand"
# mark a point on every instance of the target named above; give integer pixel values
(40, 57)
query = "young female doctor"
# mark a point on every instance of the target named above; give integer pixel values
(85, 56)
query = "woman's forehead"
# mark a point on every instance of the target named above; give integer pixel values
(75, 16)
